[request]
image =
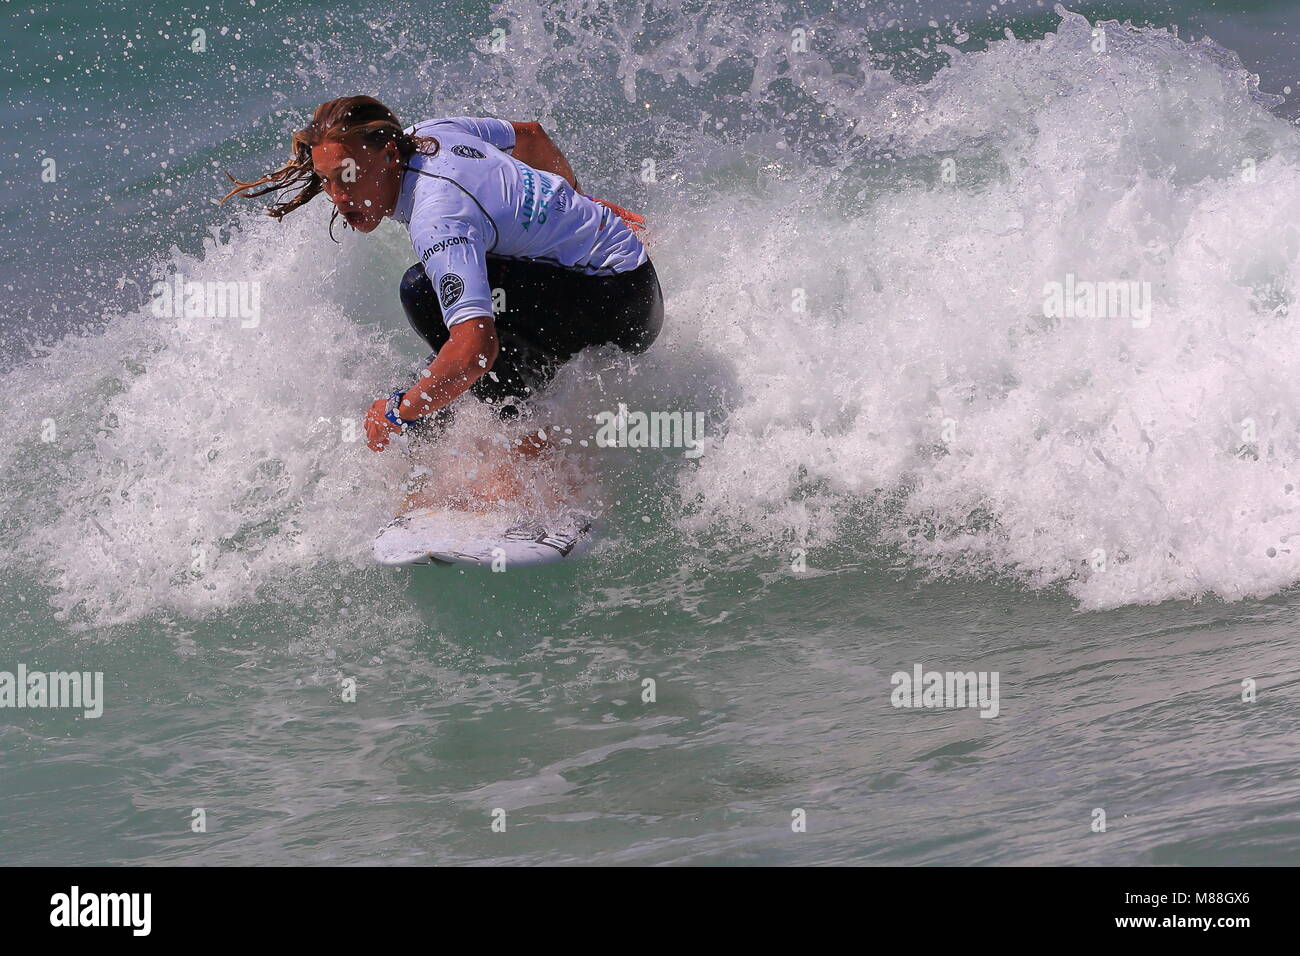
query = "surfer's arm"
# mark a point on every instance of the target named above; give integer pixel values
(469, 353)
(451, 247)
(534, 147)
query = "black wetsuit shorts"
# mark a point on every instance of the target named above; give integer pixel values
(548, 315)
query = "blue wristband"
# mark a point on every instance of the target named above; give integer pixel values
(394, 403)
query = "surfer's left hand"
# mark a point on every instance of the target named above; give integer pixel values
(378, 428)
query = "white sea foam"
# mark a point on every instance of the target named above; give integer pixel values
(1135, 464)
(923, 384)
(194, 458)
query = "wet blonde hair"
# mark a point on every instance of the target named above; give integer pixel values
(353, 120)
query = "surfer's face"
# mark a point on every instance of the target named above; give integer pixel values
(362, 183)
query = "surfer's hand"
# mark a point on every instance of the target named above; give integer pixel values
(378, 428)
(632, 219)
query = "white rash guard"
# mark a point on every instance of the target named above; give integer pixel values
(471, 199)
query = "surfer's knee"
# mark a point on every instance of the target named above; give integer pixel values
(645, 336)
(415, 288)
(421, 306)
(645, 319)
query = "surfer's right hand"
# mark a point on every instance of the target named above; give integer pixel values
(378, 428)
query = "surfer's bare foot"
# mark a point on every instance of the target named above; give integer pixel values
(498, 483)
(532, 444)
(478, 488)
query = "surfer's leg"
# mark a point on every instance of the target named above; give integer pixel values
(549, 315)
(520, 370)
(639, 315)
(422, 308)
(553, 313)
(525, 363)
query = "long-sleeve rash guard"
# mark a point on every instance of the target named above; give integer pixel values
(471, 199)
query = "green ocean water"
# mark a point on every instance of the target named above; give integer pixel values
(915, 469)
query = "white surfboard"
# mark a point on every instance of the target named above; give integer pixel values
(451, 537)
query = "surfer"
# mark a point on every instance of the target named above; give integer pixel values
(496, 218)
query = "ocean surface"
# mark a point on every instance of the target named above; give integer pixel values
(855, 211)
